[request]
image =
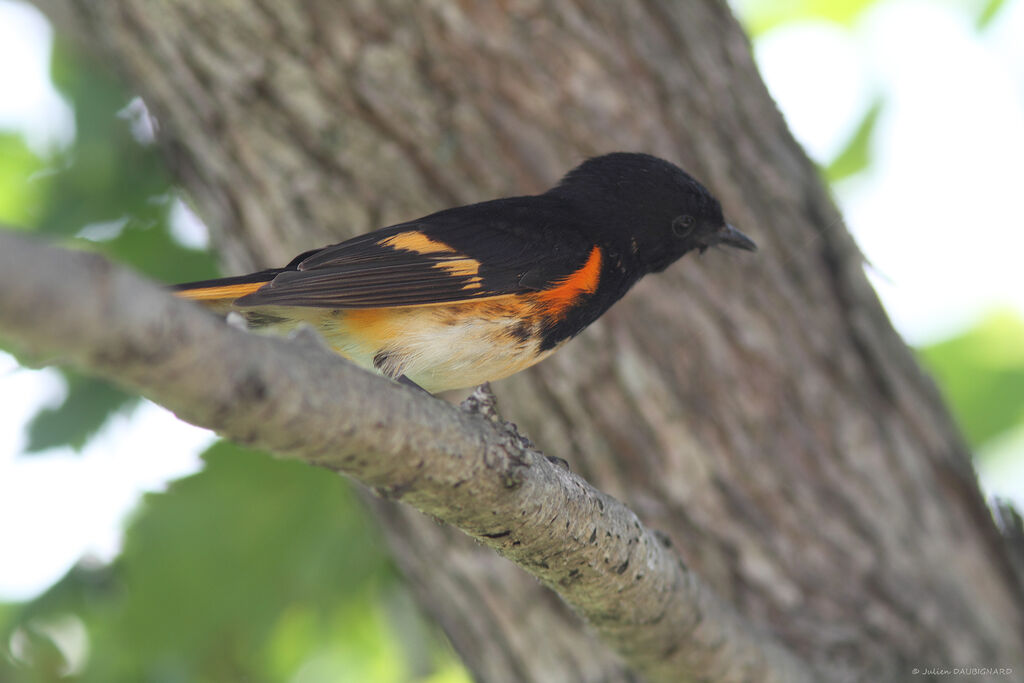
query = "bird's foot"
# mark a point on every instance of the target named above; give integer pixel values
(483, 402)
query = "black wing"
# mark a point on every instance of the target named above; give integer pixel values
(484, 250)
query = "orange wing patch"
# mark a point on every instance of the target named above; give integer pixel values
(220, 293)
(557, 300)
(415, 241)
(461, 266)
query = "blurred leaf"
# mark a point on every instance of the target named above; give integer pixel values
(254, 569)
(35, 648)
(856, 155)
(981, 372)
(210, 567)
(21, 193)
(151, 250)
(85, 409)
(355, 644)
(106, 174)
(81, 591)
(761, 16)
(989, 10)
(83, 588)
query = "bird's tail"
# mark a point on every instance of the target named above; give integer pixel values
(221, 293)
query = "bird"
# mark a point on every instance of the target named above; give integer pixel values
(476, 293)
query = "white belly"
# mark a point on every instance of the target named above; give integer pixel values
(438, 347)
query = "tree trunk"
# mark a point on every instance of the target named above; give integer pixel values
(760, 411)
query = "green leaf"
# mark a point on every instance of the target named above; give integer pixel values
(21, 190)
(856, 154)
(254, 569)
(212, 565)
(761, 16)
(981, 372)
(85, 409)
(988, 12)
(106, 174)
(151, 250)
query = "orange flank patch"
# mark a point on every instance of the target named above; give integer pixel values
(441, 347)
(557, 300)
(220, 293)
(413, 240)
(381, 327)
(374, 327)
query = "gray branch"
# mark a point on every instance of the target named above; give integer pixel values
(466, 467)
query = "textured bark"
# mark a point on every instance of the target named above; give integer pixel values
(759, 411)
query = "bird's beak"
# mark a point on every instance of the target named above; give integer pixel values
(732, 237)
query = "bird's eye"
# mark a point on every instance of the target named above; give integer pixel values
(683, 225)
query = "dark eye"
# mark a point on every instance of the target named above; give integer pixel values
(683, 225)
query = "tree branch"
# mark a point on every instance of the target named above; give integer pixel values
(297, 399)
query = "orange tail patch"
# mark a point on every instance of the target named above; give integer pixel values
(220, 292)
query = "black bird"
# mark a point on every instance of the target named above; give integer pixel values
(479, 292)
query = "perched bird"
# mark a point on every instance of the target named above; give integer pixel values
(479, 292)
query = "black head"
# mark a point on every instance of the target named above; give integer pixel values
(648, 207)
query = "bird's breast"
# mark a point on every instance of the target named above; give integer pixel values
(439, 346)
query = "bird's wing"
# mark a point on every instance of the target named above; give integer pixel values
(457, 255)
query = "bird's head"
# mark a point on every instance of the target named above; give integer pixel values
(649, 207)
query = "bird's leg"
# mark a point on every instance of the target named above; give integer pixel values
(483, 402)
(402, 379)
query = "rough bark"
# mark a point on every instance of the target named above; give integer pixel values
(760, 412)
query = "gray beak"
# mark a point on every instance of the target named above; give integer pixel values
(730, 236)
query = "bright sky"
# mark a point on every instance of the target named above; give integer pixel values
(938, 216)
